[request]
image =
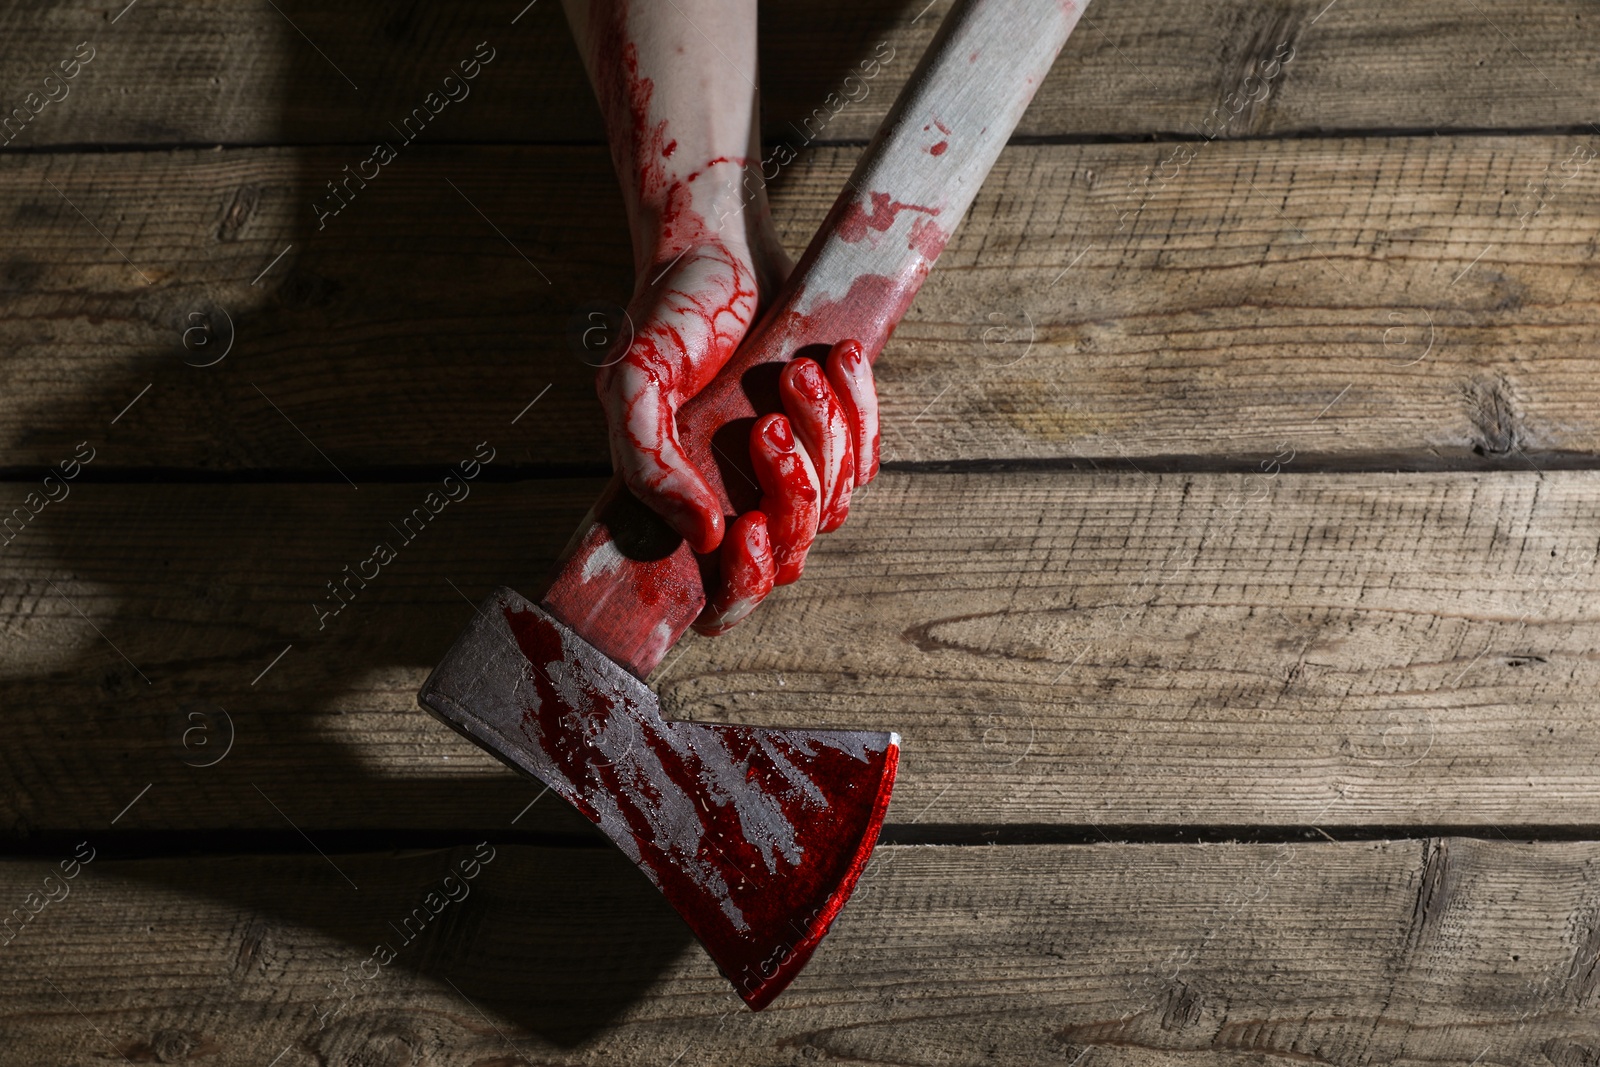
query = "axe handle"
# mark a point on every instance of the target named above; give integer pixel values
(627, 582)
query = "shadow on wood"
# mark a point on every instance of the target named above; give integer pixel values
(139, 605)
(561, 949)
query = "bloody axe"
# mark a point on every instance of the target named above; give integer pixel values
(755, 836)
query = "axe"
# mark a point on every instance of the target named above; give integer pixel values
(756, 836)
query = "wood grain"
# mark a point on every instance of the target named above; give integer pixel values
(1077, 638)
(302, 73)
(1379, 303)
(1059, 651)
(1446, 950)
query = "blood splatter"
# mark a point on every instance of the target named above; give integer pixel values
(792, 494)
(855, 223)
(851, 377)
(821, 426)
(927, 238)
(755, 836)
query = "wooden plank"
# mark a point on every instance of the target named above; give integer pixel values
(1375, 302)
(1138, 67)
(1420, 952)
(1057, 650)
(295, 72)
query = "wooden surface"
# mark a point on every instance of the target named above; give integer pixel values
(212, 73)
(1406, 952)
(1268, 279)
(1058, 650)
(1231, 579)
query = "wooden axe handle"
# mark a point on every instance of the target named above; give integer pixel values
(627, 582)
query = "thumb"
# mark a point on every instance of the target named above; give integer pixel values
(646, 451)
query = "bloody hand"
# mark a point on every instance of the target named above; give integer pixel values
(808, 461)
(684, 329)
(680, 117)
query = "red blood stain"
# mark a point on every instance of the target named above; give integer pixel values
(942, 127)
(794, 510)
(868, 311)
(855, 223)
(827, 439)
(746, 568)
(927, 238)
(938, 149)
(785, 910)
(860, 407)
(689, 323)
(741, 160)
(631, 609)
(640, 154)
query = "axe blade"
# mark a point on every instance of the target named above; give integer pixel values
(756, 836)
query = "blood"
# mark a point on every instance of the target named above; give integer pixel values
(546, 722)
(851, 376)
(741, 160)
(746, 573)
(691, 322)
(794, 509)
(636, 608)
(855, 223)
(820, 424)
(938, 149)
(783, 911)
(927, 238)
(630, 586)
(868, 311)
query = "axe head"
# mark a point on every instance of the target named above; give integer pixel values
(755, 836)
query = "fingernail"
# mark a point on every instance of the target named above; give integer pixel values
(807, 378)
(778, 434)
(850, 352)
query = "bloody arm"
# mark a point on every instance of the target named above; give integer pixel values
(676, 86)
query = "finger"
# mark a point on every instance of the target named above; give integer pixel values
(748, 574)
(790, 493)
(645, 449)
(850, 374)
(820, 424)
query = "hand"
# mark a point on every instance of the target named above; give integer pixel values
(686, 325)
(681, 118)
(808, 462)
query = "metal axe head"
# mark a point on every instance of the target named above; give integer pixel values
(755, 836)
